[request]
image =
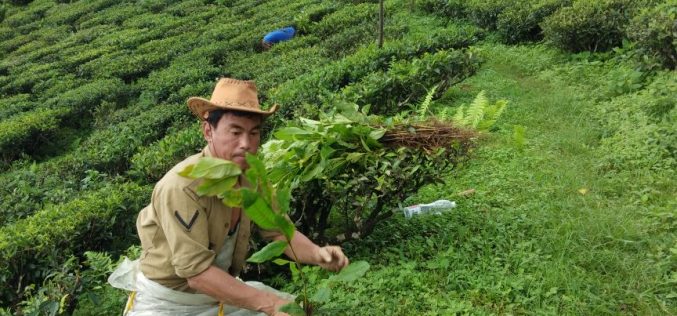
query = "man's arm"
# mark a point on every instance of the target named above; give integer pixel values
(225, 288)
(305, 251)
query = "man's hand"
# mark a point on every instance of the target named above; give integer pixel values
(274, 308)
(332, 258)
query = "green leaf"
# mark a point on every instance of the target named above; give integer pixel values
(377, 134)
(285, 226)
(310, 172)
(354, 157)
(352, 272)
(322, 295)
(283, 199)
(214, 168)
(187, 171)
(232, 198)
(281, 262)
(257, 165)
(258, 210)
(271, 250)
(289, 133)
(211, 187)
(293, 309)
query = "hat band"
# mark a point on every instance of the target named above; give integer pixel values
(241, 104)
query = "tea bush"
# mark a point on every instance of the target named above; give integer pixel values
(107, 151)
(485, 13)
(153, 161)
(407, 81)
(655, 32)
(20, 130)
(520, 22)
(455, 9)
(31, 248)
(14, 104)
(589, 25)
(313, 87)
(68, 13)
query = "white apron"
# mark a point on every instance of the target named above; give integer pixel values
(151, 298)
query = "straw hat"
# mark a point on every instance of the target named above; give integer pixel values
(230, 94)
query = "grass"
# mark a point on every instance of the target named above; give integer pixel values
(543, 234)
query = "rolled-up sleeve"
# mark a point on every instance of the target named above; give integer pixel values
(185, 224)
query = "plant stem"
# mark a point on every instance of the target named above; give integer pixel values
(303, 279)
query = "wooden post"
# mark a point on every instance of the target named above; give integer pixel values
(380, 25)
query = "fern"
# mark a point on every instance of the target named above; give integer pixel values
(423, 108)
(480, 114)
(475, 112)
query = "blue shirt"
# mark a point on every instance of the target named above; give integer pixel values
(280, 35)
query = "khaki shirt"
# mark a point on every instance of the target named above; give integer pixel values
(180, 230)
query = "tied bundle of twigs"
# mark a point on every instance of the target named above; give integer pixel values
(429, 136)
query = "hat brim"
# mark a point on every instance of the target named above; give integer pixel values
(200, 106)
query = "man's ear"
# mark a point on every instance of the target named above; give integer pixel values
(207, 131)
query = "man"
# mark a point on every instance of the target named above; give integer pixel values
(195, 246)
(276, 36)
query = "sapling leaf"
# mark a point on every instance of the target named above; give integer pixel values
(281, 262)
(377, 134)
(211, 187)
(271, 250)
(187, 171)
(213, 168)
(283, 199)
(352, 272)
(290, 133)
(293, 309)
(285, 226)
(258, 210)
(322, 295)
(232, 198)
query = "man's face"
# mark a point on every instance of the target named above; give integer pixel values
(234, 137)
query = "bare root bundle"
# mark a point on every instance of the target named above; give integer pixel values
(429, 136)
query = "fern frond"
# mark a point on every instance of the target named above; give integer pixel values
(423, 108)
(475, 111)
(459, 116)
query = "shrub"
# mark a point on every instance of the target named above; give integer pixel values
(655, 31)
(485, 12)
(520, 22)
(30, 249)
(589, 25)
(150, 163)
(315, 86)
(348, 171)
(27, 128)
(14, 104)
(407, 81)
(455, 9)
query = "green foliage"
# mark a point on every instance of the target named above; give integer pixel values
(639, 128)
(480, 114)
(589, 25)
(31, 248)
(267, 206)
(520, 21)
(389, 92)
(655, 31)
(17, 132)
(151, 162)
(319, 84)
(345, 180)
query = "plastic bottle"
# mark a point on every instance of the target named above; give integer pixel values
(434, 208)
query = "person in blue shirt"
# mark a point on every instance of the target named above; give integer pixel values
(279, 35)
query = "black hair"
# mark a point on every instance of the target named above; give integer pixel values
(215, 116)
